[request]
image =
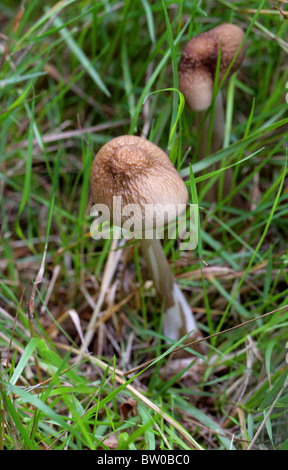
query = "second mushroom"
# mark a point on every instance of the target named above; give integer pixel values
(197, 70)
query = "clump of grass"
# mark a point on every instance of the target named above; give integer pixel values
(72, 76)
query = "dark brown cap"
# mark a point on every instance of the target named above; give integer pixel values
(198, 63)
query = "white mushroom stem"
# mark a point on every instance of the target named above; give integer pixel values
(217, 137)
(178, 319)
(203, 126)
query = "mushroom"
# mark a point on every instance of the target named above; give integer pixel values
(197, 69)
(131, 174)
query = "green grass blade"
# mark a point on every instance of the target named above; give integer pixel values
(26, 356)
(83, 59)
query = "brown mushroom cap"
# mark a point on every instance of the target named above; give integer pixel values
(138, 171)
(198, 63)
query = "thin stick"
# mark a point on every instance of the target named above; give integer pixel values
(205, 338)
(109, 271)
(268, 414)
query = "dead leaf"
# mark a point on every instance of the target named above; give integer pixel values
(111, 442)
(127, 407)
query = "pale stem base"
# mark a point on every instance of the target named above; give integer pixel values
(178, 319)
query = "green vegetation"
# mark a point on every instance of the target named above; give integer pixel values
(74, 74)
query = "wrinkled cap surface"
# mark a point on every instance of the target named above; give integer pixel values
(130, 170)
(198, 63)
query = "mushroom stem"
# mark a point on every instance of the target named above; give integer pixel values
(203, 126)
(178, 319)
(202, 122)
